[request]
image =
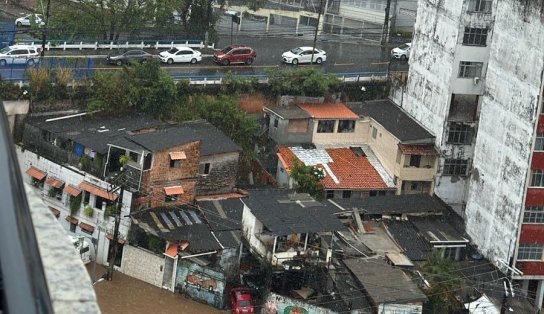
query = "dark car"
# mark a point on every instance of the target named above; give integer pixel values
(234, 54)
(241, 301)
(129, 56)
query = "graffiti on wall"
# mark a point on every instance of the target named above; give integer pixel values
(278, 304)
(201, 283)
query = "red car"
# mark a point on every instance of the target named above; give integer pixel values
(234, 54)
(241, 301)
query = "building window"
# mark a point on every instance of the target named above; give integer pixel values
(480, 6)
(415, 160)
(325, 126)
(455, 167)
(276, 122)
(470, 69)
(463, 108)
(205, 168)
(534, 214)
(377, 193)
(530, 251)
(475, 36)
(346, 126)
(459, 133)
(175, 163)
(346, 194)
(329, 194)
(374, 132)
(539, 142)
(537, 177)
(73, 227)
(133, 156)
(170, 198)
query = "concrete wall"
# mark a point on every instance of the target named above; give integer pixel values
(283, 136)
(15, 108)
(252, 230)
(385, 146)
(222, 176)
(143, 265)
(357, 136)
(201, 283)
(275, 303)
(507, 123)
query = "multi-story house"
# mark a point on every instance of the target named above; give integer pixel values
(396, 145)
(475, 81)
(80, 163)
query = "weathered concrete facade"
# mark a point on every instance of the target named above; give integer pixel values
(143, 265)
(217, 173)
(500, 105)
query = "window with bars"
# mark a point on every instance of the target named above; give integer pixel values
(470, 69)
(459, 133)
(325, 126)
(480, 6)
(475, 36)
(534, 214)
(537, 177)
(530, 251)
(539, 142)
(455, 167)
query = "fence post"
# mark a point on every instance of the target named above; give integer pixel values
(111, 45)
(95, 45)
(80, 45)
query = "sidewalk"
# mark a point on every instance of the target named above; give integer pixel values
(125, 294)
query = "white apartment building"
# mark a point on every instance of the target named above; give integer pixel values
(476, 82)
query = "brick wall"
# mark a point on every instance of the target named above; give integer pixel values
(161, 175)
(142, 264)
(222, 176)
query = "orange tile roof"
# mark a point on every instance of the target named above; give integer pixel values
(36, 173)
(173, 190)
(87, 227)
(177, 155)
(54, 182)
(91, 188)
(109, 236)
(286, 157)
(72, 190)
(426, 150)
(354, 173)
(329, 111)
(172, 250)
(72, 220)
(218, 196)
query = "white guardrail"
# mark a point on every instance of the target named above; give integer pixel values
(112, 45)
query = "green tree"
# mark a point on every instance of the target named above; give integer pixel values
(308, 179)
(142, 88)
(75, 204)
(302, 81)
(444, 282)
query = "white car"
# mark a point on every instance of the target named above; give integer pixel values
(401, 52)
(27, 20)
(19, 54)
(180, 54)
(304, 55)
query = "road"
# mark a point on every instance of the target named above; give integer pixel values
(342, 57)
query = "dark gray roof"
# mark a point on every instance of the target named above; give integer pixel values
(394, 204)
(281, 212)
(213, 141)
(414, 245)
(188, 225)
(437, 229)
(394, 120)
(232, 208)
(290, 112)
(93, 132)
(383, 283)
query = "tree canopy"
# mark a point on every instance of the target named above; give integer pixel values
(302, 81)
(308, 179)
(109, 19)
(444, 282)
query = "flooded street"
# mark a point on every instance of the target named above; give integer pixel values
(128, 295)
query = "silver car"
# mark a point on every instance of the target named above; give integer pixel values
(19, 55)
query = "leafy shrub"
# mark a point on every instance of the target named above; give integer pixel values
(75, 203)
(88, 211)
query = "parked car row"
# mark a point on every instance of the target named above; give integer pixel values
(19, 54)
(232, 54)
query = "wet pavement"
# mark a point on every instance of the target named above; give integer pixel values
(125, 294)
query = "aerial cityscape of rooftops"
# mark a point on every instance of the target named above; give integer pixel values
(272, 156)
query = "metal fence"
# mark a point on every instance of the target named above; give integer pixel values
(140, 44)
(17, 70)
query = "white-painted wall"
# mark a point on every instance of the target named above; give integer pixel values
(143, 264)
(252, 228)
(505, 135)
(74, 176)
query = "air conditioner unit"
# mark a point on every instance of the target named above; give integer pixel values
(476, 80)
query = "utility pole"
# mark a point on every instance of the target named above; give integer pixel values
(45, 29)
(316, 29)
(393, 26)
(385, 33)
(115, 234)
